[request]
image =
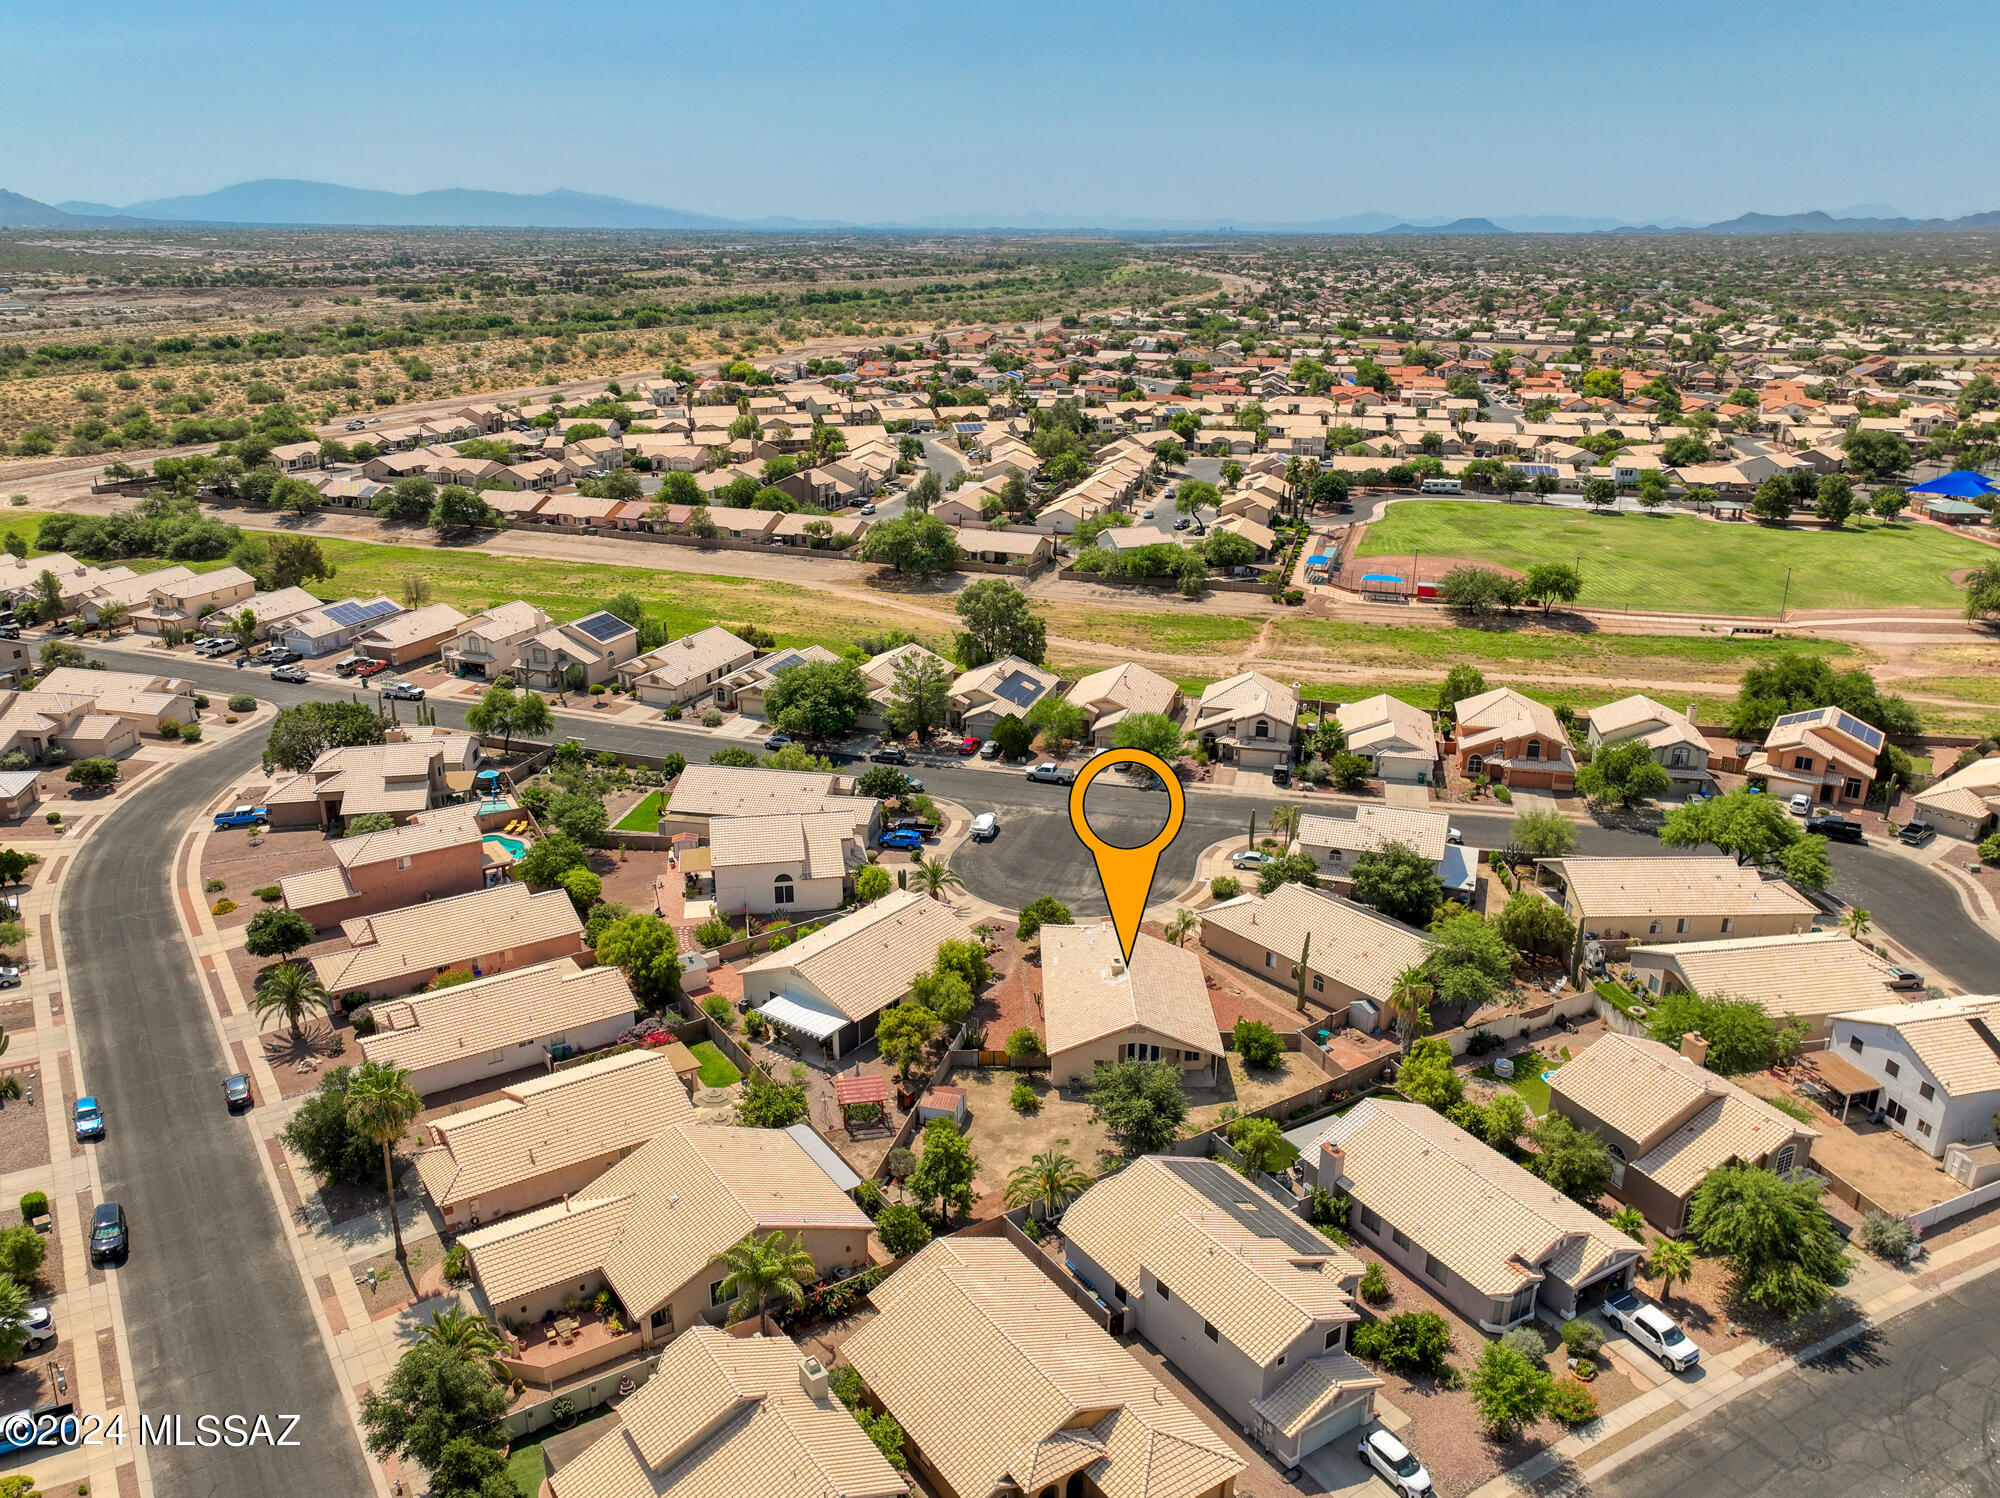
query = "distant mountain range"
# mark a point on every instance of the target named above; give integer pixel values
(282, 201)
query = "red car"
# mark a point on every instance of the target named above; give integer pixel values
(968, 745)
(371, 668)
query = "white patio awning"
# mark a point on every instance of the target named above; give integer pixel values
(804, 1017)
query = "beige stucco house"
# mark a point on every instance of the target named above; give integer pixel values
(1099, 1010)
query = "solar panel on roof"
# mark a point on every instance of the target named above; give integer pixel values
(603, 627)
(1019, 689)
(1854, 728)
(361, 613)
(1790, 718)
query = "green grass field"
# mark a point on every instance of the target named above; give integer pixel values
(1688, 565)
(717, 1070)
(645, 817)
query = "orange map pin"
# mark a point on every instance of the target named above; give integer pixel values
(1127, 873)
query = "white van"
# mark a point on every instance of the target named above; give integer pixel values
(1443, 486)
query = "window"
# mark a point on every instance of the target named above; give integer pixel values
(403, 862)
(1850, 787)
(1786, 1157)
(1281, 1360)
(1332, 1340)
(1263, 729)
(1396, 1237)
(1161, 1286)
(1728, 924)
(1897, 1111)
(661, 1317)
(782, 892)
(1534, 748)
(1680, 758)
(1653, 982)
(1140, 1051)
(1473, 763)
(1802, 762)
(1208, 1331)
(715, 1295)
(1369, 1222)
(1654, 929)
(1270, 959)
(1893, 1068)
(1923, 1128)
(1319, 984)
(1118, 1290)
(1681, 926)
(1926, 1092)
(1434, 1267)
(1854, 1044)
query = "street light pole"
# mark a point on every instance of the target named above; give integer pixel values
(1787, 597)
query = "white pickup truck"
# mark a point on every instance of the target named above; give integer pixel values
(1654, 1330)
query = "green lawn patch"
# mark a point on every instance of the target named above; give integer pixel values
(717, 1070)
(1685, 564)
(1534, 1091)
(1619, 997)
(524, 1458)
(1521, 642)
(645, 817)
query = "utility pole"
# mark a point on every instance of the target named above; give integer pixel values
(1787, 596)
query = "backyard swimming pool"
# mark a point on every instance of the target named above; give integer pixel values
(513, 845)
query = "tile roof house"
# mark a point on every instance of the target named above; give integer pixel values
(1672, 898)
(596, 645)
(489, 644)
(1005, 688)
(653, 1228)
(32, 723)
(1678, 746)
(1513, 740)
(1335, 842)
(1106, 698)
(723, 1416)
(141, 700)
(181, 602)
(832, 985)
(1966, 802)
(485, 1029)
(269, 609)
(712, 792)
(411, 636)
(1248, 720)
(1356, 952)
(686, 669)
(793, 863)
(492, 930)
(1098, 1010)
(1811, 976)
(744, 690)
(1188, 1247)
(548, 1137)
(1826, 754)
(1669, 1121)
(1938, 1063)
(401, 778)
(333, 626)
(1056, 1397)
(1396, 739)
(435, 854)
(1462, 1219)
(880, 674)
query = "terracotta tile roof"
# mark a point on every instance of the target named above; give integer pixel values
(1639, 888)
(447, 827)
(494, 1013)
(1119, 690)
(1954, 1038)
(1363, 949)
(970, 1320)
(725, 791)
(1422, 832)
(1088, 993)
(724, 1416)
(1484, 1218)
(1319, 1384)
(693, 656)
(553, 1122)
(663, 1214)
(315, 887)
(1813, 974)
(1384, 719)
(865, 961)
(1504, 713)
(415, 941)
(818, 841)
(1247, 695)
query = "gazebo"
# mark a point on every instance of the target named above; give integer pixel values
(855, 1092)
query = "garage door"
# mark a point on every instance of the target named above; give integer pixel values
(1335, 1422)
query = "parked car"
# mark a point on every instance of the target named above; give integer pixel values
(89, 1119)
(1453, 835)
(969, 744)
(985, 827)
(901, 837)
(868, 507)
(10, 631)
(220, 646)
(1395, 1463)
(1182, 523)
(371, 668)
(41, 1328)
(109, 1238)
(1916, 834)
(1838, 828)
(1654, 1330)
(348, 667)
(278, 655)
(1053, 774)
(1147, 516)
(777, 741)
(10, 977)
(402, 691)
(923, 826)
(236, 1091)
(1281, 776)
(242, 816)
(1905, 977)
(890, 754)
(1800, 805)
(53, 1422)
(356, 426)
(1249, 858)
(990, 749)
(297, 675)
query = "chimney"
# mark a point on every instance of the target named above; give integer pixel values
(812, 1377)
(1332, 1164)
(1695, 1048)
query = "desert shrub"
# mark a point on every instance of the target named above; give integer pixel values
(191, 734)
(1482, 1041)
(712, 718)
(898, 1163)
(22, 1250)
(216, 886)
(268, 893)
(868, 1197)
(714, 931)
(34, 1204)
(1526, 1341)
(1375, 1285)
(1581, 1338)
(458, 1265)
(1885, 1235)
(222, 907)
(1257, 1043)
(170, 728)
(1504, 796)
(1225, 886)
(1571, 1401)
(243, 702)
(717, 1008)
(1024, 1098)
(1409, 1342)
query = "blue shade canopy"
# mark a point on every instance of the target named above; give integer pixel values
(1960, 483)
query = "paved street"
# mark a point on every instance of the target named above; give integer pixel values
(1913, 1409)
(1037, 852)
(216, 1320)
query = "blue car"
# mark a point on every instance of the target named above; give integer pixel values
(243, 816)
(89, 1119)
(901, 837)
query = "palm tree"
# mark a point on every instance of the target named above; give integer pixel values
(1630, 1222)
(1284, 823)
(1050, 1181)
(1856, 922)
(291, 990)
(382, 1104)
(1409, 1002)
(1184, 925)
(471, 1336)
(764, 1269)
(1671, 1263)
(935, 875)
(113, 616)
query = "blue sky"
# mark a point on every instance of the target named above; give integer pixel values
(1091, 109)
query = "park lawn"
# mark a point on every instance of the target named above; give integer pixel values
(1192, 632)
(1522, 642)
(1684, 564)
(645, 817)
(717, 1070)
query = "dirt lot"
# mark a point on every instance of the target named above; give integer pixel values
(1003, 1139)
(24, 1126)
(1872, 1158)
(230, 857)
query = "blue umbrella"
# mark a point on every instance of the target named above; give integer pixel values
(1960, 483)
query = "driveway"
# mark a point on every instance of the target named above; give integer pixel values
(216, 1317)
